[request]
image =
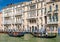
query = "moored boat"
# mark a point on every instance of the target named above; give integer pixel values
(43, 34)
(16, 33)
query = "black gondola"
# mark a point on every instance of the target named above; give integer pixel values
(43, 34)
(15, 33)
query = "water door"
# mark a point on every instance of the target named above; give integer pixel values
(32, 28)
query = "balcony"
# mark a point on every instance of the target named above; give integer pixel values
(32, 15)
(13, 22)
(45, 14)
(19, 22)
(32, 24)
(53, 22)
(49, 12)
(7, 22)
(50, 1)
(18, 13)
(6, 15)
(55, 11)
(33, 7)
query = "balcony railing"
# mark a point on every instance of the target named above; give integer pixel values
(8, 15)
(49, 1)
(7, 22)
(18, 13)
(19, 22)
(55, 11)
(32, 15)
(53, 22)
(49, 12)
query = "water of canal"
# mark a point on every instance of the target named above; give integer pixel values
(6, 38)
(57, 39)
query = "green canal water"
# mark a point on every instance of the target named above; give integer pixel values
(6, 38)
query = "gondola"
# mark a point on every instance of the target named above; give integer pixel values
(16, 33)
(46, 36)
(42, 35)
(50, 36)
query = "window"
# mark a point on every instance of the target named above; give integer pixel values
(33, 7)
(8, 11)
(53, 17)
(39, 12)
(45, 10)
(56, 28)
(35, 28)
(56, 16)
(51, 28)
(56, 7)
(50, 18)
(30, 21)
(18, 9)
(28, 29)
(32, 28)
(14, 9)
(33, 13)
(50, 8)
(28, 8)
(33, 21)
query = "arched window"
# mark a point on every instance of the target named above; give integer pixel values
(56, 7)
(45, 9)
(35, 28)
(50, 8)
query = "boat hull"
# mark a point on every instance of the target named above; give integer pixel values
(16, 34)
(43, 36)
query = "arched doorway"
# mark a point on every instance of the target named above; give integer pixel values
(32, 28)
